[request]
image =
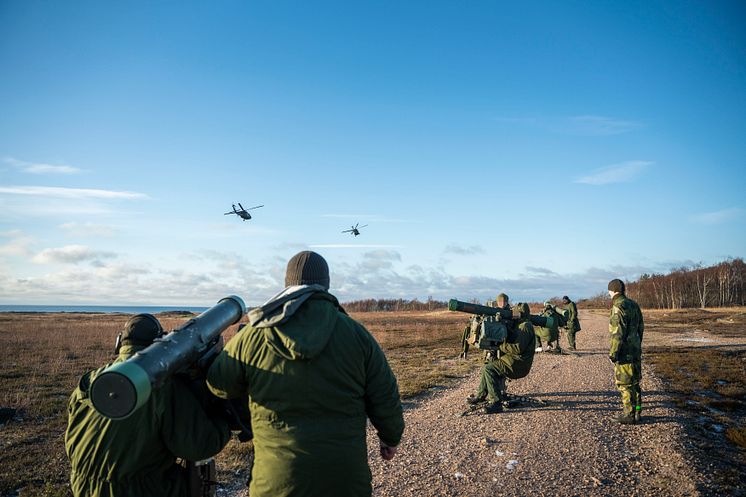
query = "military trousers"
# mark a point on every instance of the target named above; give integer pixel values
(492, 380)
(627, 379)
(638, 371)
(571, 337)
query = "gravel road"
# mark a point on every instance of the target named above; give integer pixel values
(568, 447)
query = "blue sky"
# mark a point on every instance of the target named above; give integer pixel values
(535, 148)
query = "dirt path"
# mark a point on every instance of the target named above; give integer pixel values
(569, 447)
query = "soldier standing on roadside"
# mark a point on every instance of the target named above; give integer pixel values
(626, 327)
(573, 325)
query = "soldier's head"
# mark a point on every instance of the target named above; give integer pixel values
(547, 305)
(566, 299)
(502, 300)
(140, 331)
(521, 310)
(616, 286)
(307, 268)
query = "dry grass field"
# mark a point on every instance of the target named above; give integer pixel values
(699, 354)
(701, 357)
(45, 354)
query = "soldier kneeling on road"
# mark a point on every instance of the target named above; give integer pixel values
(512, 359)
(138, 455)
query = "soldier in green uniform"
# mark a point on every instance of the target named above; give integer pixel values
(573, 325)
(548, 333)
(513, 360)
(137, 455)
(626, 327)
(313, 377)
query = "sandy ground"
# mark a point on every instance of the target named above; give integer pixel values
(568, 447)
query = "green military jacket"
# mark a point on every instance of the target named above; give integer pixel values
(572, 318)
(517, 352)
(136, 456)
(626, 327)
(549, 333)
(312, 382)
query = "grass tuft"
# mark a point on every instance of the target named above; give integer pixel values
(737, 436)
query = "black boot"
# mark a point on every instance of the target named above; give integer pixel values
(475, 399)
(493, 407)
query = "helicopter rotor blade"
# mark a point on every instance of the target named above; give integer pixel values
(241, 206)
(363, 226)
(255, 207)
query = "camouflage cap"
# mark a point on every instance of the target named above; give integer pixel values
(502, 297)
(547, 304)
(141, 329)
(566, 298)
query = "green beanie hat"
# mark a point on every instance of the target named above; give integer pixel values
(307, 268)
(616, 285)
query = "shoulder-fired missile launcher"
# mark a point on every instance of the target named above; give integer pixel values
(125, 386)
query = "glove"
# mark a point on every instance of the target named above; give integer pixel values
(611, 360)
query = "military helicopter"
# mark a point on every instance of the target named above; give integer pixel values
(242, 213)
(355, 230)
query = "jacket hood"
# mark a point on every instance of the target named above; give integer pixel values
(305, 334)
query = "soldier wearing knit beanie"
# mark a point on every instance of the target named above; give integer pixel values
(307, 268)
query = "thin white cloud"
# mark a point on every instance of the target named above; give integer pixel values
(580, 125)
(71, 254)
(590, 125)
(349, 216)
(454, 248)
(350, 245)
(74, 193)
(718, 217)
(40, 168)
(617, 173)
(87, 229)
(370, 218)
(540, 270)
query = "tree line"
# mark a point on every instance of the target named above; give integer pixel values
(384, 305)
(720, 285)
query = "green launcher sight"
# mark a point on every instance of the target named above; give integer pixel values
(124, 387)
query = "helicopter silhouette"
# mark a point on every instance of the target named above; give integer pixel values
(241, 212)
(355, 230)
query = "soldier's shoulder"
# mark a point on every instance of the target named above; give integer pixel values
(344, 320)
